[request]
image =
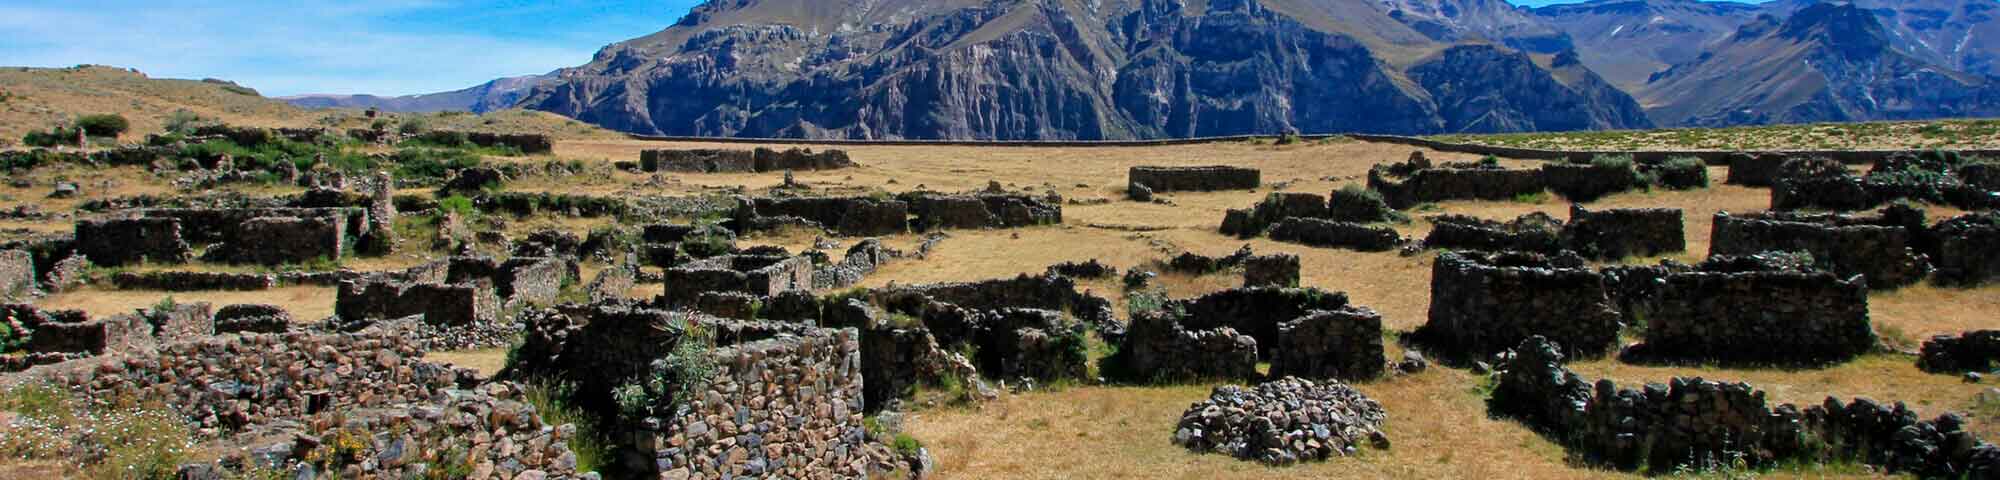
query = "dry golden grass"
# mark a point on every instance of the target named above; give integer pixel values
(487, 361)
(39, 97)
(1947, 133)
(306, 304)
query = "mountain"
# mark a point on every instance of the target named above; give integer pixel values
(1100, 69)
(1627, 41)
(1961, 34)
(1826, 62)
(490, 96)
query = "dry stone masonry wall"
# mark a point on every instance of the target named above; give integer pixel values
(1880, 249)
(1196, 179)
(741, 161)
(1720, 311)
(1483, 304)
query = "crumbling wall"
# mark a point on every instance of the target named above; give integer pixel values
(1158, 347)
(1344, 343)
(1760, 170)
(17, 275)
(1199, 179)
(444, 305)
(1737, 316)
(1534, 232)
(1055, 293)
(1441, 184)
(252, 318)
(1583, 183)
(977, 211)
(1330, 234)
(1968, 249)
(1619, 233)
(1884, 254)
(1281, 270)
(741, 161)
(855, 217)
(1973, 351)
(1276, 207)
(285, 240)
(1688, 423)
(760, 276)
(120, 242)
(1482, 304)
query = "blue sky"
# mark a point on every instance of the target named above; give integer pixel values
(289, 47)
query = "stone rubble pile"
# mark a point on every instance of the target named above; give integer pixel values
(1283, 422)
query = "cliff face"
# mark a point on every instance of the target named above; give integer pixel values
(1062, 69)
(1825, 62)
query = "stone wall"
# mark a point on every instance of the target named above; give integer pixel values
(1281, 270)
(121, 242)
(1755, 170)
(213, 225)
(1160, 348)
(1199, 179)
(517, 280)
(59, 335)
(1330, 234)
(760, 276)
(444, 305)
(741, 161)
(1878, 249)
(1534, 232)
(17, 276)
(1483, 304)
(285, 240)
(853, 216)
(252, 318)
(1619, 233)
(1974, 351)
(1344, 343)
(1054, 293)
(1967, 249)
(861, 259)
(1709, 313)
(1276, 207)
(1693, 423)
(1583, 183)
(1440, 184)
(979, 211)
(180, 281)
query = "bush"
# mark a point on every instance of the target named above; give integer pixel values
(457, 204)
(413, 126)
(55, 137)
(1683, 173)
(436, 163)
(104, 125)
(182, 122)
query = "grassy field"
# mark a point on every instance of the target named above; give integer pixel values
(1949, 134)
(1438, 421)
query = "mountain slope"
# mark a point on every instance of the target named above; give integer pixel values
(37, 98)
(1040, 69)
(490, 96)
(1627, 41)
(1961, 34)
(1827, 62)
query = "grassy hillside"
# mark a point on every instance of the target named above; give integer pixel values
(36, 98)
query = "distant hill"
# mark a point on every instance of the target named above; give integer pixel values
(36, 98)
(490, 96)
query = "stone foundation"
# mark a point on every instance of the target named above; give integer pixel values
(1441, 184)
(1967, 249)
(1879, 249)
(980, 211)
(855, 217)
(1620, 233)
(1330, 234)
(1974, 351)
(741, 161)
(1718, 313)
(113, 243)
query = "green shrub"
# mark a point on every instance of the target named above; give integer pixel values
(104, 125)
(433, 163)
(457, 204)
(55, 137)
(906, 445)
(12, 338)
(551, 400)
(182, 122)
(413, 126)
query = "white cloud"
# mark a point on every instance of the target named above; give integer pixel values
(279, 48)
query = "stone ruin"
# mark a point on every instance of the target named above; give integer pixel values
(1405, 185)
(1302, 332)
(1759, 170)
(118, 242)
(18, 281)
(1731, 310)
(252, 318)
(1195, 179)
(283, 402)
(934, 211)
(1976, 351)
(757, 276)
(452, 304)
(255, 235)
(1281, 270)
(1605, 235)
(1967, 249)
(1347, 206)
(741, 161)
(1697, 424)
(852, 216)
(684, 395)
(1330, 234)
(1283, 422)
(1886, 250)
(1932, 177)
(1485, 303)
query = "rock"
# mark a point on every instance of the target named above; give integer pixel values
(65, 190)
(1973, 377)
(1139, 192)
(1412, 363)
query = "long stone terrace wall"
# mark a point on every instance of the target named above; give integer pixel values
(1692, 423)
(1882, 250)
(1483, 304)
(444, 305)
(1717, 313)
(1197, 179)
(1534, 232)
(1045, 292)
(1974, 351)
(1331, 234)
(1440, 184)
(211, 225)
